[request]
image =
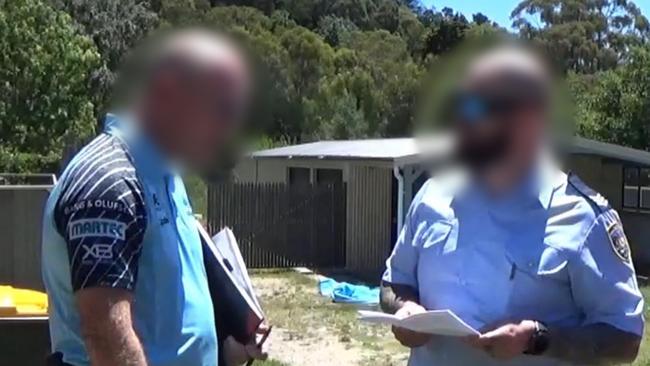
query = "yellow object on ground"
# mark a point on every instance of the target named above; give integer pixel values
(16, 302)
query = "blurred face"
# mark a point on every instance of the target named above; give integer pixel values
(496, 125)
(200, 112)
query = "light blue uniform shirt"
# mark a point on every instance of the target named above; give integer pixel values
(552, 251)
(119, 217)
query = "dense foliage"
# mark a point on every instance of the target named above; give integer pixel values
(583, 36)
(614, 105)
(333, 69)
(45, 103)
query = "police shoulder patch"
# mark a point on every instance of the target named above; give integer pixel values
(617, 238)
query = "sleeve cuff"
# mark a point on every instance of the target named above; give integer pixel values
(633, 324)
(396, 277)
(121, 284)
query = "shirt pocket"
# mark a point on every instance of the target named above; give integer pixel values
(540, 285)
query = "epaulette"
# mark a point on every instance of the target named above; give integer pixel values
(595, 199)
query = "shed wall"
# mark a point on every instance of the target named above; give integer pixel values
(603, 175)
(368, 220)
(246, 171)
(274, 170)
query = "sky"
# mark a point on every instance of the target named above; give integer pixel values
(499, 10)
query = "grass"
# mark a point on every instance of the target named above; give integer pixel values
(291, 302)
(269, 363)
(294, 305)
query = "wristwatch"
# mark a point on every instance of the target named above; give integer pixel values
(539, 341)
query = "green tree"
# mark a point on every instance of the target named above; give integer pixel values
(412, 31)
(334, 113)
(312, 58)
(583, 36)
(45, 98)
(446, 30)
(322, 62)
(388, 97)
(181, 12)
(115, 26)
(334, 30)
(292, 59)
(614, 105)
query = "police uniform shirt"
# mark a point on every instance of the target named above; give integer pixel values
(552, 251)
(120, 218)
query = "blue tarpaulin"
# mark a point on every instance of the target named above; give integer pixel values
(348, 293)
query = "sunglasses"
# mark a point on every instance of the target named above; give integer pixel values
(474, 108)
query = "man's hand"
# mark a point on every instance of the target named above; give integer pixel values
(236, 353)
(402, 300)
(409, 338)
(507, 341)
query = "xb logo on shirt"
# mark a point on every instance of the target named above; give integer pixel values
(98, 251)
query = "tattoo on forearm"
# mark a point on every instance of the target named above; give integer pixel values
(598, 344)
(393, 296)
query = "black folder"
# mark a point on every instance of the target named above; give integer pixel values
(236, 313)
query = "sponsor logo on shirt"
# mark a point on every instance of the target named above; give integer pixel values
(97, 227)
(95, 203)
(102, 252)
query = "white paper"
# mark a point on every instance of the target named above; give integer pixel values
(440, 322)
(225, 248)
(227, 245)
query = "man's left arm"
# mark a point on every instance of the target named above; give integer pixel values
(597, 344)
(603, 284)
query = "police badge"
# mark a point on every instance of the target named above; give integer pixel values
(618, 240)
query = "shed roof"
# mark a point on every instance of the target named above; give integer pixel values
(389, 149)
(352, 149)
(409, 150)
(582, 145)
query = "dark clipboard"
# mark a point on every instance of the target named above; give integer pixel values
(236, 314)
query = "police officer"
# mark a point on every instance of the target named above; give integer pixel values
(525, 253)
(122, 259)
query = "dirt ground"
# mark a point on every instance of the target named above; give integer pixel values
(311, 330)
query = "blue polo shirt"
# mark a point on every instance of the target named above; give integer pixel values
(119, 217)
(552, 250)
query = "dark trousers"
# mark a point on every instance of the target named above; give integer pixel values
(56, 359)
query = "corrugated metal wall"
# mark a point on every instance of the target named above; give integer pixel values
(368, 220)
(21, 213)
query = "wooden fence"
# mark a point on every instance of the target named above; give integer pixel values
(279, 225)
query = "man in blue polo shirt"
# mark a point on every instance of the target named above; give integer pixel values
(527, 254)
(122, 259)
